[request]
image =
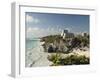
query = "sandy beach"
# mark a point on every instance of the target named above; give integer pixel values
(37, 57)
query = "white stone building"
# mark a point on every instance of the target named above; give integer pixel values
(65, 33)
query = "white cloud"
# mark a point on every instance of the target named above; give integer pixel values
(31, 19)
(35, 32)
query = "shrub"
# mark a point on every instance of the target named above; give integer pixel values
(69, 60)
(55, 58)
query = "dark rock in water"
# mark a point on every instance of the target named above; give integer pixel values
(50, 49)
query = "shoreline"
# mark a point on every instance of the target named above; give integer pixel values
(37, 57)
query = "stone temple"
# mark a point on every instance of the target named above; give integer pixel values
(65, 33)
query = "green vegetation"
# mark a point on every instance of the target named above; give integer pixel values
(69, 60)
(59, 45)
(64, 45)
(55, 59)
(78, 42)
(84, 40)
(51, 38)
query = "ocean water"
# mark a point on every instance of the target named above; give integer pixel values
(33, 51)
(30, 44)
(35, 55)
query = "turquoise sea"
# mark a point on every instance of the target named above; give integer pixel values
(30, 44)
(33, 51)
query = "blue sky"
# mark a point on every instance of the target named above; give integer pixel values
(43, 24)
